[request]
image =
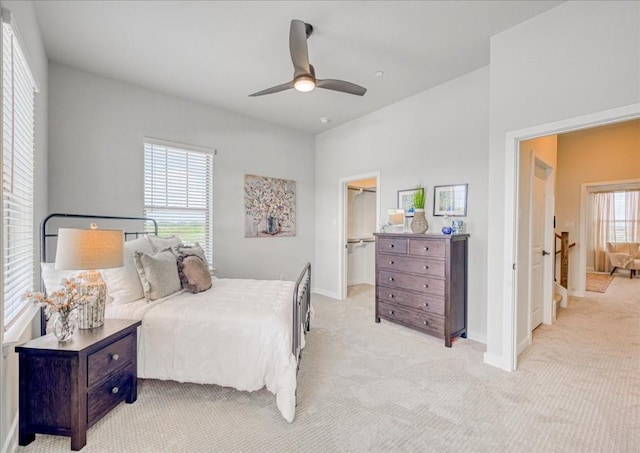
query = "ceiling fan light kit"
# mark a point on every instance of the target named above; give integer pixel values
(304, 76)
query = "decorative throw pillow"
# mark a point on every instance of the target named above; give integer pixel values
(194, 273)
(190, 250)
(158, 274)
(159, 243)
(123, 283)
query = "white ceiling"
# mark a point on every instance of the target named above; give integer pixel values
(219, 52)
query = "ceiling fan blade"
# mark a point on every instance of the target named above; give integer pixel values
(298, 48)
(275, 89)
(341, 85)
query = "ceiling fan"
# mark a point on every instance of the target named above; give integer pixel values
(304, 76)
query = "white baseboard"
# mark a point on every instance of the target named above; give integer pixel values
(11, 443)
(322, 292)
(474, 335)
(575, 293)
(498, 361)
(522, 345)
(360, 282)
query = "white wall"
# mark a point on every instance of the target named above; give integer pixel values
(97, 127)
(576, 59)
(437, 137)
(24, 17)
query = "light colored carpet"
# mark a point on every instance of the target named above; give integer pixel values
(381, 387)
(598, 283)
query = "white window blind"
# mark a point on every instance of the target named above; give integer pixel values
(18, 94)
(178, 193)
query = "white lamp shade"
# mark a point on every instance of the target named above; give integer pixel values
(89, 249)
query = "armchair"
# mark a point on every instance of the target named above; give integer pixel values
(624, 255)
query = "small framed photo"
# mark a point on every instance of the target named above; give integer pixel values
(405, 201)
(450, 200)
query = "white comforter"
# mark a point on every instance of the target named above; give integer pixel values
(236, 334)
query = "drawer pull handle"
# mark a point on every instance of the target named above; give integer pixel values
(391, 312)
(115, 356)
(426, 323)
(391, 246)
(426, 267)
(115, 390)
(426, 249)
(426, 286)
(391, 279)
(391, 296)
(426, 304)
(390, 262)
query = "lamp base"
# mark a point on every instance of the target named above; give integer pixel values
(91, 313)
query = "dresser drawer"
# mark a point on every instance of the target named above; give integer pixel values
(105, 396)
(422, 302)
(424, 266)
(411, 282)
(427, 247)
(109, 359)
(392, 245)
(431, 324)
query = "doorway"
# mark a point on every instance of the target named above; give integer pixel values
(505, 356)
(359, 213)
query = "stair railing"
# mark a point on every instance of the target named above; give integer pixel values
(564, 257)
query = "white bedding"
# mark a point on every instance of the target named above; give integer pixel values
(236, 334)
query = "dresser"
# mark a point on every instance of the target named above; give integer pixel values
(67, 387)
(421, 282)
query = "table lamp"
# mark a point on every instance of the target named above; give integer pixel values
(89, 250)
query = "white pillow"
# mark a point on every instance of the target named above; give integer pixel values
(123, 283)
(51, 277)
(159, 243)
(158, 274)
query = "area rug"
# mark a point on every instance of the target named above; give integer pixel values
(598, 283)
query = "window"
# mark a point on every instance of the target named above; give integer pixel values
(18, 94)
(178, 192)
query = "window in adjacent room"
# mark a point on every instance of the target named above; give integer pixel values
(18, 128)
(178, 182)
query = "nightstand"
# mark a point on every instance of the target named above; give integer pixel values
(67, 387)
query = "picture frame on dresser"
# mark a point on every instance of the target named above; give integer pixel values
(450, 200)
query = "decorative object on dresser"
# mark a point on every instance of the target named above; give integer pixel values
(90, 249)
(67, 387)
(450, 201)
(421, 282)
(419, 224)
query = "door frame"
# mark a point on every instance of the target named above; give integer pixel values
(508, 358)
(342, 225)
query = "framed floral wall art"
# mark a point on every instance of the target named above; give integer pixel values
(269, 206)
(450, 200)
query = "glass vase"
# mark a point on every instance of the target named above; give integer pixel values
(64, 326)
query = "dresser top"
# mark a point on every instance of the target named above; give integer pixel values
(453, 237)
(82, 338)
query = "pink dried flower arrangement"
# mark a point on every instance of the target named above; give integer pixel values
(62, 301)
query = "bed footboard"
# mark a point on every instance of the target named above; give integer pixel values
(301, 310)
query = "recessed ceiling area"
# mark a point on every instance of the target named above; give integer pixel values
(218, 53)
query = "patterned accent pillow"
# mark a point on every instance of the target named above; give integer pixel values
(190, 250)
(158, 274)
(194, 273)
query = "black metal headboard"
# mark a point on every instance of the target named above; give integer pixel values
(44, 235)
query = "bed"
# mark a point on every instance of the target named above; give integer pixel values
(240, 333)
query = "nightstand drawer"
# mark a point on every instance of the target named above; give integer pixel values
(109, 359)
(105, 396)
